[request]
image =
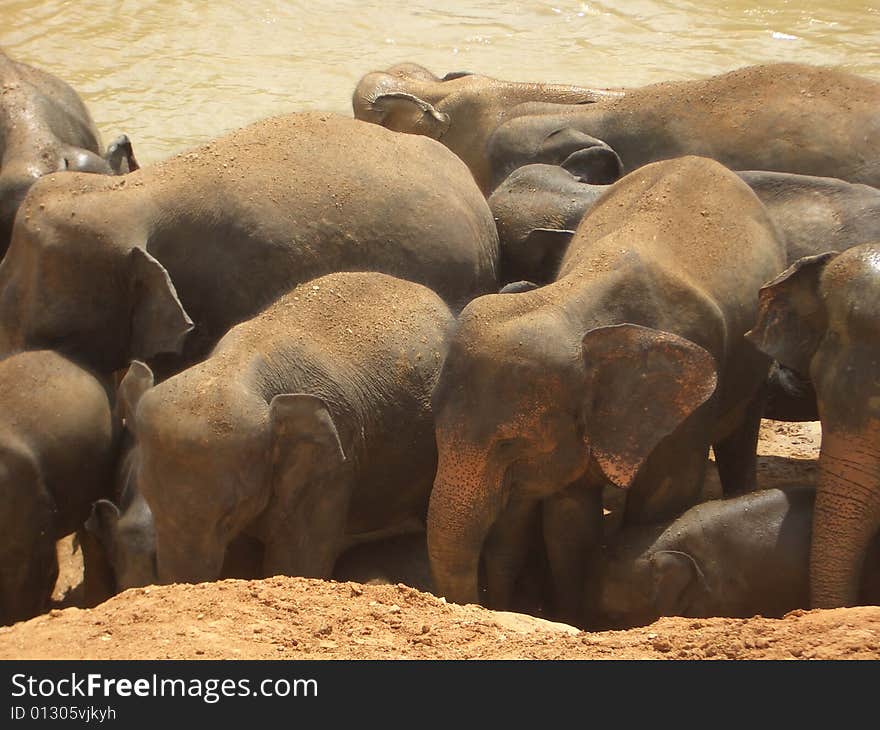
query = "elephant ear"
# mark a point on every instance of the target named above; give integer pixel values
(587, 158)
(595, 165)
(159, 323)
(137, 380)
(547, 247)
(304, 437)
(677, 579)
(641, 385)
(102, 522)
(791, 315)
(403, 112)
(120, 156)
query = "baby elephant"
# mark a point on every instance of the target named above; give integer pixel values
(309, 427)
(738, 557)
(56, 453)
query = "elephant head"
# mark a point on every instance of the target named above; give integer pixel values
(125, 531)
(637, 588)
(537, 209)
(403, 99)
(523, 409)
(461, 110)
(821, 318)
(83, 291)
(214, 456)
(553, 139)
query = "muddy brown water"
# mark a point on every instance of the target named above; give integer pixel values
(173, 73)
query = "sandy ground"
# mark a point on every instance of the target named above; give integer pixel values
(296, 618)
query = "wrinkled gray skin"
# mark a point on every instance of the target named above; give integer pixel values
(782, 117)
(57, 443)
(820, 318)
(624, 370)
(462, 109)
(308, 428)
(538, 207)
(166, 259)
(740, 557)
(44, 128)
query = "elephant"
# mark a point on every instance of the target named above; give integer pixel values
(819, 318)
(780, 117)
(46, 128)
(308, 428)
(121, 530)
(460, 110)
(162, 262)
(537, 209)
(623, 370)
(57, 445)
(738, 557)
(539, 206)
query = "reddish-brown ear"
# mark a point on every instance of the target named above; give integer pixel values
(791, 314)
(641, 385)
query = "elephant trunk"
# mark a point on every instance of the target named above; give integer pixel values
(187, 559)
(847, 514)
(462, 509)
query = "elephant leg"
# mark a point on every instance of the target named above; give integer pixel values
(846, 517)
(505, 550)
(736, 454)
(99, 580)
(307, 529)
(572, 534)
(671, 479)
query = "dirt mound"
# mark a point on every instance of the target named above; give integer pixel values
(299, 618)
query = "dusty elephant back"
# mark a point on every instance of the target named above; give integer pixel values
(355, 334)
(44, 103)
(324, 193)
(62, 415)
(817, 214)
(694, 221)
(235, 224)
(787, 117)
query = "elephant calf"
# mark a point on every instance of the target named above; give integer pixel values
(44, 128)
(308, 427)
(57, 440)
(821, 318)
(739, 557)
(624, 369)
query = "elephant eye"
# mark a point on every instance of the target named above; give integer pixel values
(505, 445)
